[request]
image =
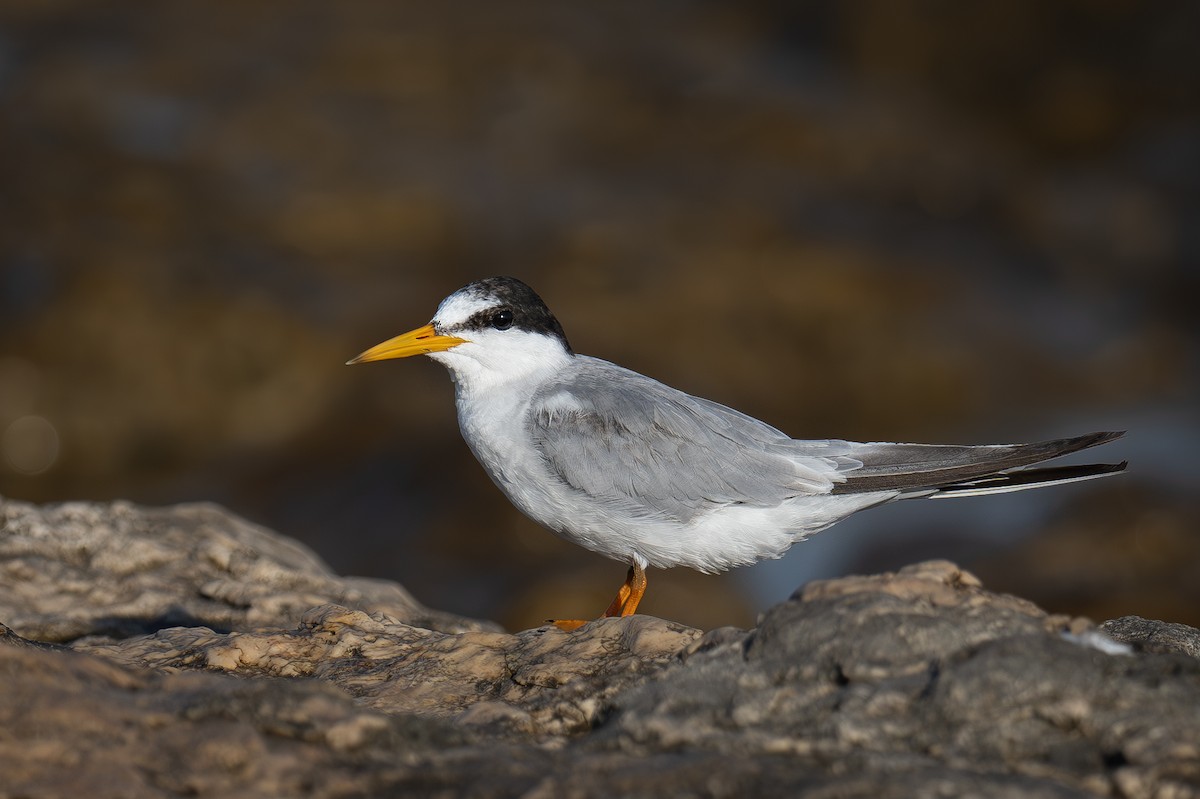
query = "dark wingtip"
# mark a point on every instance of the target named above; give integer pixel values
(1065, 446)
(1096, 439)
(1100, 468)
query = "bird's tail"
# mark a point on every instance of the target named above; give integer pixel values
(941, 472)
(1021, 479)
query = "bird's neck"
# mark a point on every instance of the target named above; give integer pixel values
(476, 375)
(492, 405)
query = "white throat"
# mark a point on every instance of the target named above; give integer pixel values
(493, 359)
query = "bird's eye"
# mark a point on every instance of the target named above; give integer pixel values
(502, 320)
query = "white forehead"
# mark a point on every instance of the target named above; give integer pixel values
(461, 306)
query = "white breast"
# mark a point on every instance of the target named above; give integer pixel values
(493, 423)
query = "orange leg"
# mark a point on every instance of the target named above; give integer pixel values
(625, 603)
(630, 594)
(621, 598)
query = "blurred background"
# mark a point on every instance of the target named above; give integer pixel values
(876, 220)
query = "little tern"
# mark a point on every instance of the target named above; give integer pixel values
(648, 475)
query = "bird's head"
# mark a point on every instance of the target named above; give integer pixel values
(487, 333)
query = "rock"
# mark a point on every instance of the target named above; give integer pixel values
(892, 674)
(1147, 635)
(80, 569)
(77, 725)
(543, 682)
(914, 683)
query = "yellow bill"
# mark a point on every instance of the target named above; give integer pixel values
(421, 341)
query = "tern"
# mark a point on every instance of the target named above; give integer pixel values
(648, 475)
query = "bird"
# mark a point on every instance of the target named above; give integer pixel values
(651, 476)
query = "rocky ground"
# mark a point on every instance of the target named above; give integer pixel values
(182, 651)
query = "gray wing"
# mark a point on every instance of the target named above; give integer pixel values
(624, 438)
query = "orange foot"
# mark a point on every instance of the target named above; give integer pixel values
(624, 604)
(567, 625)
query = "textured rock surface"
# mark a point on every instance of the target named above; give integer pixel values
(543, 681)
(1154, 636)
(90, 569)
(917, 683)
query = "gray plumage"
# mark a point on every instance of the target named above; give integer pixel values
(620, 437)
(633, 439)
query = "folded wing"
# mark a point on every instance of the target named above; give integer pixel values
(623, 438)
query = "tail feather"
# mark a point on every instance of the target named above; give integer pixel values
(945, 470)
(1021, 479)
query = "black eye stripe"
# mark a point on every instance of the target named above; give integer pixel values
(508, 295)
(498, 318)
